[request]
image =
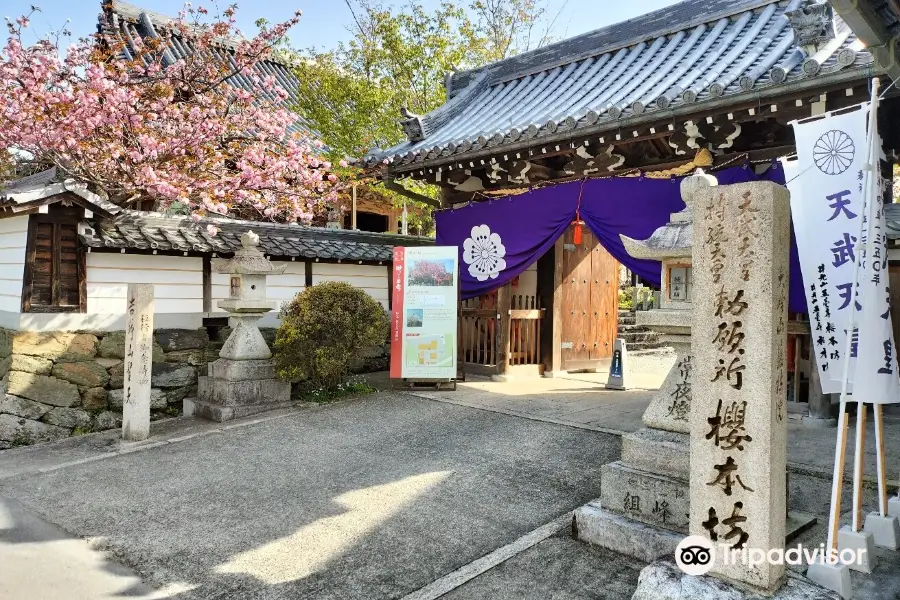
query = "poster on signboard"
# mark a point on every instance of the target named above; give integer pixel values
(826, 185)
(424, 312)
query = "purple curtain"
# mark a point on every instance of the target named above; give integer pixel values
(498, 239)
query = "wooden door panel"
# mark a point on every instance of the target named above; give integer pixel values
(576, 309)
(604, 302)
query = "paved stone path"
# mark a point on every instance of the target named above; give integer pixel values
(371, 498)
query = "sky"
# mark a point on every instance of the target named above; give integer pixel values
(324, 22)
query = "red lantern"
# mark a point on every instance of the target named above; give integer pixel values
(579, 224)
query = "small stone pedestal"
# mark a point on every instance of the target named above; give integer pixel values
(243, 381)
(835, 577)
(884, 530)
(863, 544)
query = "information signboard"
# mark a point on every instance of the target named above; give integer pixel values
(424, 312)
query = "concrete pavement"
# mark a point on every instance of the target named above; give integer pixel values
(370, 498)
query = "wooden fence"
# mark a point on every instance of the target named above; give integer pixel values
(484, 346)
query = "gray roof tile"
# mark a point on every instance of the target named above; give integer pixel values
(695, 52)
(154, 231)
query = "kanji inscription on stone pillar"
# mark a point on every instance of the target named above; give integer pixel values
(738, 338)
(138, 362)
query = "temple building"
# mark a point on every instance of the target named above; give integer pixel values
(710, 84)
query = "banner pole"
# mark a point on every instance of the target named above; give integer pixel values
(879, 458)
(840, 448)
(862, 409)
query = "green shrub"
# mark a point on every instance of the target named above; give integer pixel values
(324, 330)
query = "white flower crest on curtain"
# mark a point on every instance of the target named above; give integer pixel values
(484, 253)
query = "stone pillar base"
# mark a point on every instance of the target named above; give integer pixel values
(861, 542)
(599, 527)
(237, 388)
(662, 580)
(835, 577)
(885, 530)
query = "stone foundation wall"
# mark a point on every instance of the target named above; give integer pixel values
(59, 384)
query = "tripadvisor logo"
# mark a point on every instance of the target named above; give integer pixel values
(695, 555)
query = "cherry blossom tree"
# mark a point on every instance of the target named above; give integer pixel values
(133, 124)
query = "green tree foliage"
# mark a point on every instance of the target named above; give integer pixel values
(324, 330)
(351, 95)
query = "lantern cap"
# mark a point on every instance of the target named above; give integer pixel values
(249, 260)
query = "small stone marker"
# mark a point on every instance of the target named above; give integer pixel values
(738, 416)
(138, 362)
(618, 368)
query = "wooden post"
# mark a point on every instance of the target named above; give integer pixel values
(858, 466)
(880, 460)
(353, 209)
(207, 283)
(504, 304)
(556, 322)
(837, 479)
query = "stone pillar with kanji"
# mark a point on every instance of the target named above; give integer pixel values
(738, 416)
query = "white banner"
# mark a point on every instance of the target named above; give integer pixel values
(826, 188)
(876, 380)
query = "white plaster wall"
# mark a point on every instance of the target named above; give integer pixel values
(373, 279)
(177, 280)
(527, 282)
(13, 238)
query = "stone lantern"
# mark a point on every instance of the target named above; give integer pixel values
(243, 380)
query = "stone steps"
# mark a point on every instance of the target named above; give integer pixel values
(649, 498)
(658, 451)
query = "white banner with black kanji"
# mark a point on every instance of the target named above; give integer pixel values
(826, 185)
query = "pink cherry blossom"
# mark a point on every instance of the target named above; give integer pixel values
(144, 129)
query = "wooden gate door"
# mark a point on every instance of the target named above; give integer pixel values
(589, 312)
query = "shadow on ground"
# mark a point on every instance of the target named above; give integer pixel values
(372, 498)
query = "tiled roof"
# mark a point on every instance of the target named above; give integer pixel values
(29, 192)
(133, 230)
(130, 22)
(682, 59)
(892, 217)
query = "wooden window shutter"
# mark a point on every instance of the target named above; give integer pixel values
(54, 266)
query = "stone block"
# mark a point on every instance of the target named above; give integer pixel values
(171, 375)
(22, 407)
(894, 507)
(658, 451)
(113, 346)
(86, 374)
(195, 356)
(94, 398)
(44, 389)
(670, 408)
(863, 544)
(107, 420)
(5, 342)
(663, 580)
(594, 525)
(19, 431)
(158, 400)
(650, 498)
(833, 577)
(244, 393)
(884, 530)
(31, 364)
(5, 364)
(177, 395)
(242, 370)
(70, 418)
(117, 376)
(218, 413)
(106, 363)
(57, 345)
(181, 339)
